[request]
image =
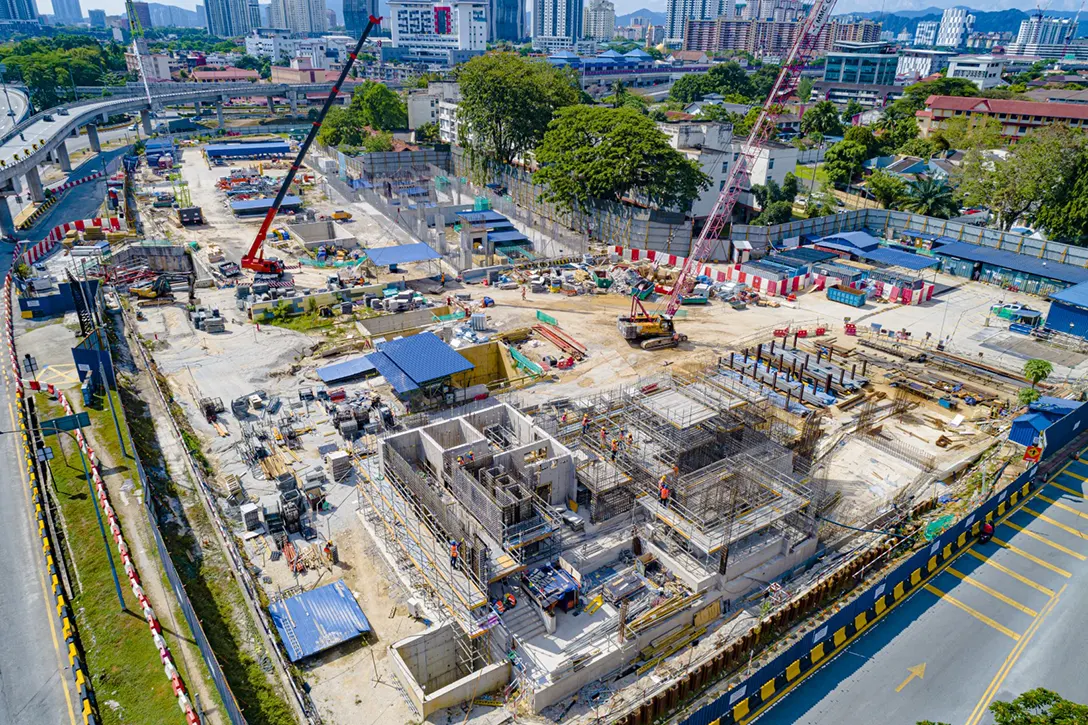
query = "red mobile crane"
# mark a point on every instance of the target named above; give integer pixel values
(254, 258)
(656, 330)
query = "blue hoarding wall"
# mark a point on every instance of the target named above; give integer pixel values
(54, 304)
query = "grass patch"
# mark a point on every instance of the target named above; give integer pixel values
(302, 323)
(806, 171)
(205, 571)
(122, 658)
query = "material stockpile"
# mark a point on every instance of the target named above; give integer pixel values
(338, 465)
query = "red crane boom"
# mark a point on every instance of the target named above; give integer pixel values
(737, 178)
(254, 258)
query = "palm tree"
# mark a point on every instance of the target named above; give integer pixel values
(931, 197)
(618, 92)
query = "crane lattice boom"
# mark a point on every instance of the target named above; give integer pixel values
(738, 175)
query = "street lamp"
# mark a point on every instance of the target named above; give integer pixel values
(7, 99)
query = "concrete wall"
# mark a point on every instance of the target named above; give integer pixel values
(491, 362)
(157, 256)
(426, 666)
(314, 234)
(385, 325)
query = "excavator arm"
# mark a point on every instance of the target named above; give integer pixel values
(254, 258)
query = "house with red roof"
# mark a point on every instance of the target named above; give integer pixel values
(1017, 118)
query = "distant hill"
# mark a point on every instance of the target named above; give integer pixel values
(657, 18)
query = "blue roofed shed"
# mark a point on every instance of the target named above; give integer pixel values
(998, 266)
(267, 149)
(1029, 428)
(403, 254)
(411, 363)
(1069, 311)
(318, 620)
(346, 370)
(851, 240)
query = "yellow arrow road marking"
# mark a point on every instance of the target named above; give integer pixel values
(918, 671)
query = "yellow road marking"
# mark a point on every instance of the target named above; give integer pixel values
(984, 703)
(1053, 522)
(918, 671)
(1015, 575)
(1045, 540)
(1071, 491)
(1077, 476)
(972, 611)
(45, 592)
(1032, 558)
(992, 592)
(1063, 506)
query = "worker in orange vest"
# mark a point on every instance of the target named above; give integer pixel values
(604, 435)
(454, 553)
(511, 601)
(615, 447)
(585, 423)
(563, 420)
(663, 493)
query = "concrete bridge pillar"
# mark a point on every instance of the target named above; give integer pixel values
(292, 98)
(145, 121)
(271, 106)
(7, 224)
(34, 185)
(196, 107)
(62, 157)
(219, 113)
(92, 138)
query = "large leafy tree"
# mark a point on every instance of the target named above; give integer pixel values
(373, 107)
(599, 153)
(852, 109)
(844, 160)
(965, 133)
(507, 102)
(914, 96)
(1035, 707)
(931, 197)
(822, 118)
(690, 88)
(887, 188)
(1037, 370)
(725, 78)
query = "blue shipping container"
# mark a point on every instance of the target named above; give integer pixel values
(854, 298)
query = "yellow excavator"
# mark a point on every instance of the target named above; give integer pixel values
(158, 288)
(651, 331)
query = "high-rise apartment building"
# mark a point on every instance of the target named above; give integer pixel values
(67, 12)
(770, 37)
(97, 18)
(356, 15)
(557, 24)
(427, 27)
(1046, 31)
(956, 24)
(925, 35)
(678, 12)
(143, 14)
(228, 18)
(253, 8)
(300, 16)
(18, 11)
(507, 18)
(599, 21)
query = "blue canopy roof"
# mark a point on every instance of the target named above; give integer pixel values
(482, 217)
(859, 240)
(898, 258)
(264, 204)
(510, 237)
(318, 620)
(1013, 261)
(1076, 295)
(345, 370)
(393, 375)
(412, 361)
(403, 254)
(248, 149)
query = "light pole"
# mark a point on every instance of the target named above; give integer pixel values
(7, 98)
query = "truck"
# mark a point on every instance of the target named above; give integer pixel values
(190, 215)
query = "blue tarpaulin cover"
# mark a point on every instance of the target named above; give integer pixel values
(317, 620)
(345, 370)
(403, 254)
(263, 204)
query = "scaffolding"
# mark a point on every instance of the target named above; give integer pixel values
(734, 482)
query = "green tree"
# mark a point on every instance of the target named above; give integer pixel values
(619, 92)
(853, 108)
(822, 118)
(886, 188)
(729, 78)
(690, 88)
(804, 89)
(923, 148)
(1037, 370)
(965, 133)
(1039, 707)
(1027, 396)
(378, 107)
(914, 96)
(428, 133)
(777, 212)
(595, 152)
(378, 141)
(931, 197)
(762, 82)
(507, 102)
(844, 160)
(863, 135)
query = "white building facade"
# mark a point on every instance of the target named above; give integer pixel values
(982, 70)
(1046, 31)
(679, 11)
(925, 35)
(599, 21)
(557, 24)
(956, 24)
(432, 27)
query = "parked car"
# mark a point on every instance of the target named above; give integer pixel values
(62, 111)
(48, 117)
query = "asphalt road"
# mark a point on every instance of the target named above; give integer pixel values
(35, 684)
(1000, 619)
(17, 102)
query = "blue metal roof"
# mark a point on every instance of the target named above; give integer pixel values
(507, 237)
(1026, 428)
(393, 375)
(898, 258)
(248, 149)
(425, 357)
(1013, 261)
(1076, 295)
(858, 240)
(482, 217)
(345, 370)
(1050, 404)
(264, 204)
(405, 253)
(807, 254)
(318, 619)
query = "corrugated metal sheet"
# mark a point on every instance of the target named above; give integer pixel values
(393, 375)
(897, 258)
(316, 620)
(345, 370)
(511, 237)
(405, 253)
(857, 240)
(1011, 260)
(482, 217)
(1076, 295)
(1062, 317)
(263, 204)
(807, 254)
(247, 149)
(425, 357)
